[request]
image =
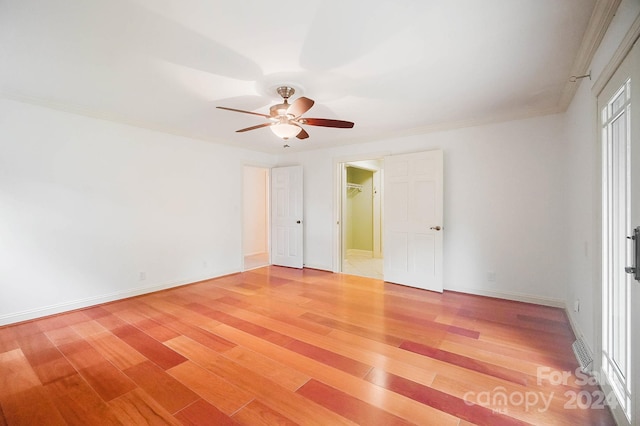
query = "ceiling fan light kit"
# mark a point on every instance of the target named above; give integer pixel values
(285, 119)
(285, 130)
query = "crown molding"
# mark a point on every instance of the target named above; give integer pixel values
(603, 13)
(621, 52)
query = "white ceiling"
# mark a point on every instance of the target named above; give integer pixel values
(390, 66)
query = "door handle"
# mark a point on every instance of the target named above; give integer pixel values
(635, 270)
(436, 228)
(297, 221)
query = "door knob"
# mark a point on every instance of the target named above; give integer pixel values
(297, 221)
(436, 228)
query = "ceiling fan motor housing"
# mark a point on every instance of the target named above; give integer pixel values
(280, 110)
(286, 92)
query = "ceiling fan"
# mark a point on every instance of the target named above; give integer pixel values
(285, 119)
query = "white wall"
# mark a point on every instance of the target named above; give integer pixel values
(86, 205)
(583, 177)
(255, 210)
(505, 204)
(584, 183)
(360, 210)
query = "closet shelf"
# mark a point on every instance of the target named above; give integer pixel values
(354, 187)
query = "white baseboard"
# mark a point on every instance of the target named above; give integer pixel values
(358, 252)
(578, 332)
(31, 314)
(596, 370)
(319, 267)
(517, 297)
(575, 327)
(255, 253)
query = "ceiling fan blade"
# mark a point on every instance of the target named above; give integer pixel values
(245, 112)
(325, 122)
(300, 106)
(254, 127)
(303, 134)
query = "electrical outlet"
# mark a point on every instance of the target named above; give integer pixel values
(491, 276)
(576, 306)
(143, 276)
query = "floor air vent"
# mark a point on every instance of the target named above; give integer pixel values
(582, 354)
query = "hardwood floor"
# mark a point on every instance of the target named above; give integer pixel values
(284, 346)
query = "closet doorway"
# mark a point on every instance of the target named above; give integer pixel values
(362, 215)
(255, 241)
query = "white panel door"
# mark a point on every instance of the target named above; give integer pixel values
(286, 216)
(413, 206)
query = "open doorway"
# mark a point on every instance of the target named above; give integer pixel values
(362, 215)
(255, 245)
(408, 201)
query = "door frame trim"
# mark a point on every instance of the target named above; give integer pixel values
(622, 53)
(618, 57)
(338, 165)
(242, 207)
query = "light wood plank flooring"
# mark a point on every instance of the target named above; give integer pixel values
(285, 346)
